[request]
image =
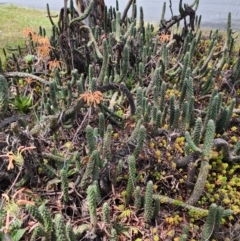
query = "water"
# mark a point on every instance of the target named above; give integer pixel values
(214, 12)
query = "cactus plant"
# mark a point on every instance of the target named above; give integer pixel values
(4, 98)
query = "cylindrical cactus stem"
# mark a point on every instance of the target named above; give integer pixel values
(131, 178)
(38, 232)
(156, 207)
(101, 124)
(140, 141)
(64, 184)
(185, 233)
(46, 217)
(97, 191)
(139, 97)
(162, 94)
(221, 123)
(4, 98)
(197, 131)
(107, 151)
(176, 117)
(157, 123)
(80, 87)
(172, 109)
(106, 213)
(90, 139)
(52, 93)
(190, 88)
(186, 65)
(137, 198)
(183, 92)
(155, 95)
(165, 57)
(117, 26)
(141, 73)
(139, 112)
(69, 232)
(208, 139)
(118, 171)
(57, 77)
(114, 235)
(191, 143)
(76, 159)
(105, 62)
(85, 14)
(91, 197)
(163, 14)
(148, 212)
(144, 54)
(134, 10)
(90, 173)
(190, 113)
(210, 223)
(125, 64)
(204, 168)
(230, 112)
(35, 213)
(185, 114)
(141, 22)
(60, 228)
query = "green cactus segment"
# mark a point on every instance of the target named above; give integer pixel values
(53, 95)
(162, 94)
(69, 232)
(91, 198)
(131, 178)
(46, 217)
(197, 131)
(4, 98)
(105, 62)
(208, 139)
(106, 213)
(139, 97)
(137, 198)
(172, 109)
(64, 184)
(48, 170)
(156, 207)
(90, 139)
(148, 212)
(230, 111)
(184, 236)
(92, 170)
(60, 228)
(190, 142)
(101, 124)
(35, 213)
(157, 123)
(97, 191)
(140, 141)
(107, 143)
(114, 235)
(125, 64)
(38, 232)
(85, 14)
(210, 222)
